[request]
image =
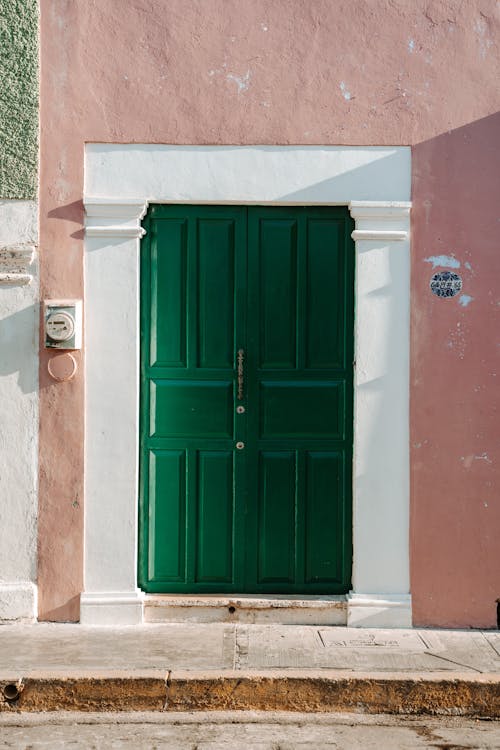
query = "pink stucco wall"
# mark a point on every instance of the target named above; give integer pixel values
(455, 388)
(317, 72)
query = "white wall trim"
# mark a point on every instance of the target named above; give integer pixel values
(120, 181)
(15, 262)
(378, 234)
(380, 220)
(105, 218)
(112, 608)
(382, 611)
(114, 231)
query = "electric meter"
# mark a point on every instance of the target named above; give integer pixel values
(63, 324)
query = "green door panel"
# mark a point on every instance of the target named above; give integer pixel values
(215, 502)
(277, 284)
(191, 408)
(167, 515)
(216, 304)
(309, 409)
(167, 344)
(246, 486)
(276, 517)
(326, 344)
(323, 518)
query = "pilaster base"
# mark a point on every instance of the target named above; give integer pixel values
(114, 608)
(379, 611)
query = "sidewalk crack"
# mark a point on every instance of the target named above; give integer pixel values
(497, 654)
(241, 647)
(167, 689)
(229, 647)
(452, 661)
(321, 639)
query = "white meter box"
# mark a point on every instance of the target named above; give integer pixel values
(63, 324)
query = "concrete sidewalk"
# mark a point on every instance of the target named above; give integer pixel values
(185, 667)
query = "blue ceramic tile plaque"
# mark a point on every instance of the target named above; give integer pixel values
(446, 284)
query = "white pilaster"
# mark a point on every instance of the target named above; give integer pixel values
(112, 336)
(380, 596)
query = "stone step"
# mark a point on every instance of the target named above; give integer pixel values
(248, 609)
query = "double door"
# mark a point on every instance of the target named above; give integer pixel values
(246, 399)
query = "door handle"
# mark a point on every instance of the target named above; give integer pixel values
(240, 361)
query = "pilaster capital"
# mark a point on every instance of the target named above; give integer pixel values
(381, 220)
(114, 218)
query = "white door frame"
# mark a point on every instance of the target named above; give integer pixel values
(120, 182)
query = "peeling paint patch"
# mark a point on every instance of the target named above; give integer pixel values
(421, 444)
(481, 29)
(484, 457)
(242, 82)
(218, 71)
(467, 460)
(345, 93)
(444, 261)
(465, 299)
(457, 341)
(468, 266)
(411, 46)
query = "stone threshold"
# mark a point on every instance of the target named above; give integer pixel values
(246, 608)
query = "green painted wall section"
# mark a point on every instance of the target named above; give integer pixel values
(18, 98)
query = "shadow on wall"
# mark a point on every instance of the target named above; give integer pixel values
(455, 431)
(73, 212)
(19, 347)
(383, 179)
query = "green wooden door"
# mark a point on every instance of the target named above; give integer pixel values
(246, 399)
